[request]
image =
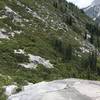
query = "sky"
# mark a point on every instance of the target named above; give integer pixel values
(81, 3)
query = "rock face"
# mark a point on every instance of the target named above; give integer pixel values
(94, 10)
(96, 2)
(9, 90)
(68, 89)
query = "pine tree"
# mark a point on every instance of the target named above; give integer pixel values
(92, 39)
(70, 21)
(68, 52)
(85, 36)
(93, 60)
(98, 42)
(58, 45)
(55, 4)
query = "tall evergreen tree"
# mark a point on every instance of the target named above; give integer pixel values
(68, 52)
(92, 39)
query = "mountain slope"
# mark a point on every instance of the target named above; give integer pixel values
(94, 10)
(45, 40)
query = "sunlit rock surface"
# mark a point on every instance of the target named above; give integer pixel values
(68, 89)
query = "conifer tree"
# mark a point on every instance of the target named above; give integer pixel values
(85, 36)
(68, 52)
(55, 5)
(92, 39)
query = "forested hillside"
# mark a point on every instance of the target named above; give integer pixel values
(46, 40)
